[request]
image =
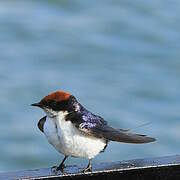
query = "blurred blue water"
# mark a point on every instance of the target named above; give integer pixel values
(121, 59)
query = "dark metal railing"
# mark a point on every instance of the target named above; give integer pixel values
(161, 168)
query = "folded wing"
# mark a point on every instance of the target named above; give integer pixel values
(119, 135)
(96, 126)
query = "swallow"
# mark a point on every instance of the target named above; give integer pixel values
(75, 131)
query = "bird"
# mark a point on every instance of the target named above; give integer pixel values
(75, 131)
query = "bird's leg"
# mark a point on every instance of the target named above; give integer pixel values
(62, 166)
(89, 167)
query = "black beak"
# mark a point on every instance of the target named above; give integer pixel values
(37, 104)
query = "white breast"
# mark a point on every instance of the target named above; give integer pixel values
(67, 139)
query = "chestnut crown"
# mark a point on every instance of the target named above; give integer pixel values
(56, 101)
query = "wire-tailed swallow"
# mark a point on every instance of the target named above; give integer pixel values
(75, 131)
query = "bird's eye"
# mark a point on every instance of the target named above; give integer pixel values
(53, 104)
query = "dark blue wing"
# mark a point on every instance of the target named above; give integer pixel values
(94, 125)
(85, 119)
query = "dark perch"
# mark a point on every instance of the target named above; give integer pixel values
(161, 168)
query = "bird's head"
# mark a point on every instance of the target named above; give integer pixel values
(57, 102)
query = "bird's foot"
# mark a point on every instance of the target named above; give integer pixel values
(60, 167)
(87, 169)
(55, 169)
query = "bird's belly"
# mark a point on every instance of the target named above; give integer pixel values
(70, 141)
(50, 131)
(79, 145)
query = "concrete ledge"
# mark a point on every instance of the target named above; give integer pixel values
(161, 168)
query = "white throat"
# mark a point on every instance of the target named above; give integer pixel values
(55, 114)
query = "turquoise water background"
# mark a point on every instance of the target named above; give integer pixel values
(120, 58)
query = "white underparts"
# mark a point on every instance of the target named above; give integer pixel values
(68, 140)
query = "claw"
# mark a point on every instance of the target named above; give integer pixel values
(88, 168)
(56, 169)
(61, 167)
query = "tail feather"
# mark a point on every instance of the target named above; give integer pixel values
(119, 135)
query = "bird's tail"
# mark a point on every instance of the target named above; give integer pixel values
(125, 136)
(133, 138)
